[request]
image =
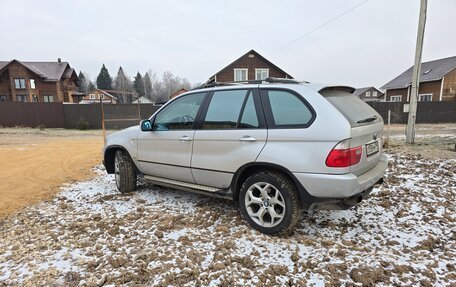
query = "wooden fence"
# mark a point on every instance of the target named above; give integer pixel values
(75, 116)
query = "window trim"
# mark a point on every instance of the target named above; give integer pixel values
(196, 119)
(22, 96)
(427, 94)
(256, 101)
(396, 96)
(368, 94)
(261, 69)
(268, 110)
(46, 98)
(241, 69)
(20, 86)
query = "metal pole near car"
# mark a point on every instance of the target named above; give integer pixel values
(103, 121)
(410, 131)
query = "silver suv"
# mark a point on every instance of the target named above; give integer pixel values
(277, 146)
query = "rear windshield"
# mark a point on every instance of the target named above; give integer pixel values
(354, 109)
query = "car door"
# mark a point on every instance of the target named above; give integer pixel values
(166, 151)
(231, 133)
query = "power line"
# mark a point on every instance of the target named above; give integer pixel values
(317, 28)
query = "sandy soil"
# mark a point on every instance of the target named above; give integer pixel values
(435, 141)
(34, 163)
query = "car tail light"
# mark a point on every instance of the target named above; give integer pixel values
(342, 155)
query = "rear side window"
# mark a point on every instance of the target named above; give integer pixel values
(224, 109)
(287, 109)
(356, 111)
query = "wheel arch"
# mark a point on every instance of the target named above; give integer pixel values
(250, 168)
(108, 157)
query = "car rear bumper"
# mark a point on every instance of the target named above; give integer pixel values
(342, 186)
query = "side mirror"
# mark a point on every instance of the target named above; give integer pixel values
(146, 126)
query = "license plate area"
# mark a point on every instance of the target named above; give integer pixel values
(372, 148)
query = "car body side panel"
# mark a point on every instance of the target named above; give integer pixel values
(163, 154)
(223, 152)
(305, 149)
(126, 139)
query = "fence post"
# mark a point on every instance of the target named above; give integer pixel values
(389, 124)
(103, 121)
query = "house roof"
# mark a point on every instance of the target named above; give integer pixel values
(49, 71)
(259, 56)
(143, 100)
(359, 91)
(430, 71)
(107, 94)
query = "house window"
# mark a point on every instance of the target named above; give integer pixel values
(2, 98)
(92, 96)
(425, 98)
(261, 74)
(19, 83)
(35, 98)
(240, 74)
(21, 98)
(48, 98)
(396, 99)
(374, 94)
(32, 84)
(368, 94)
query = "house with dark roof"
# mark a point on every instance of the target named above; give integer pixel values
(250, 66)
(437, 82)
(369, 94)
(37, 81)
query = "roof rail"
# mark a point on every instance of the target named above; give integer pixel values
(284, 81)
(267, 80)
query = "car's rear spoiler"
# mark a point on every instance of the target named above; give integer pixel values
(338, 88)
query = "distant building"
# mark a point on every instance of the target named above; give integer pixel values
(95, 96)
(177, 93)
(437, 82)
(143, 100)
(369, 94)
(37, 81)
(250, 66)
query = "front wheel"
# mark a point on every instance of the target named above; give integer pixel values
(269, 202)
(124, 172)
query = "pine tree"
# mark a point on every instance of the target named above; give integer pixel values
(147, 86)
(82, 83)
(138, 85)
(104, 80)
(91, 87)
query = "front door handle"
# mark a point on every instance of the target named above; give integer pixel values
(247, 139)
(185, 139)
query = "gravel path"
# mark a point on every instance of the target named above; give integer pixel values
(90, 235)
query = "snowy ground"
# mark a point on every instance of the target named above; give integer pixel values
(404, 234)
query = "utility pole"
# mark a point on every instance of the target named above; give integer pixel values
(410, 131)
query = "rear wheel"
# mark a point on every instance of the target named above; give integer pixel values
(124, 172)
(269, 202)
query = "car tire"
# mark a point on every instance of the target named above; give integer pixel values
(269, 202)
(124, 172)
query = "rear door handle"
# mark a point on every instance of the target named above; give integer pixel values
(185, 139)
(247, 139)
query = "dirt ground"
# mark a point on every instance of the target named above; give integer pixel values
(435, 141)
(35, 163)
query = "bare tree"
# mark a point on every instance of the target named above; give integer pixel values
(123, 84)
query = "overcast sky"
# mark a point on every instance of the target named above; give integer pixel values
(194, 39)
